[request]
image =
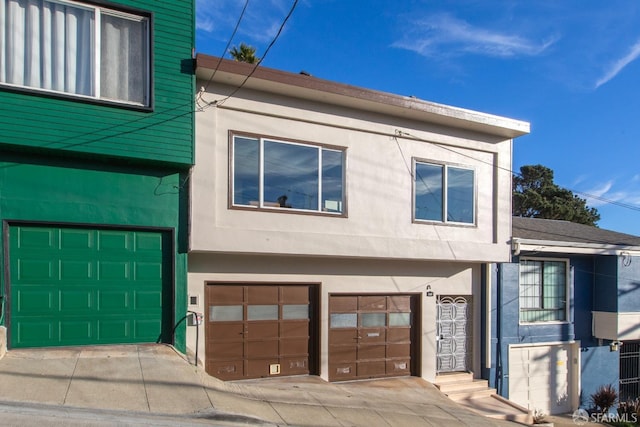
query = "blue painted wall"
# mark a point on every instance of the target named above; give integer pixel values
(606, 296)
(599, 366)
(628, 283)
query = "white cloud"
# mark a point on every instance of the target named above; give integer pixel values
(446, 34)
(619, 65)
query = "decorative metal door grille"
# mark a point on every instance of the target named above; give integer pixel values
(453, 333)
(629, 371)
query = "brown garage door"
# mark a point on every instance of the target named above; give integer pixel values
(371, 336)
(258, 331)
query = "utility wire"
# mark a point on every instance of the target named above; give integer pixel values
(223, 100)
(226, 48)
(587, 195)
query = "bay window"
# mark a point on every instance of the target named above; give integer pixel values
(275, 174)
(74, 48)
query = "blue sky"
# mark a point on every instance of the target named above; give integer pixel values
(571, 68)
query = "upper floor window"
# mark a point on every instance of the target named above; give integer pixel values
(543, 291)
(444, 193)
(75, 48)
(269, 173)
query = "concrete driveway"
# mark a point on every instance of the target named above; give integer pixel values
(155, 379)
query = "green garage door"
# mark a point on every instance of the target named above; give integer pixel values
(77, 286)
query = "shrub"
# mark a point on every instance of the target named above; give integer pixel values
(604, 398)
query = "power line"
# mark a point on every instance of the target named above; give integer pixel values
(587, 195)
(226, 48)
(223, 100)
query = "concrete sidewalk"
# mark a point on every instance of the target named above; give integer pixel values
(156, 379)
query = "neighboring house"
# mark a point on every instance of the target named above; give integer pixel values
(339, 231)
(565, 315)
(96, 143)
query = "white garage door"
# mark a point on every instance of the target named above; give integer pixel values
(541, 377)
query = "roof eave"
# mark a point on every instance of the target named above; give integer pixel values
(519, 245)
(312, 88)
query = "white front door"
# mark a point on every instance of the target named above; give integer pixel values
(540, 377)
(453, 352)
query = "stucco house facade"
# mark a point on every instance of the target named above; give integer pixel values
(339, 231)
(96, 143)
(564, 313)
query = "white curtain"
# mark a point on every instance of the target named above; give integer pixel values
(123, 69)
(46, 45)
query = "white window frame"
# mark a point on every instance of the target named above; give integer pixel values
(98, 10)
(568, 287)
(261, 202)
(445, 192)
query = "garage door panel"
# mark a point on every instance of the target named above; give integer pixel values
(342, 371)
(262, 330)
(147, 301)
(376, 302)
(225, 332)
(540, 377)
(114, 270)
(257, 368)
(294, 365)
(76, 330)
(381, 327)
(371, 369)
(399, 367)
(77, 270)
(289, 347)
(295, 294)
(290, 329)
(262, 295)
(226, 370)
(225, 351)
(76, 300)
(32, 332)
(270, 331)
(256, 349)
(35, 300)
(36, 270)
(372, 351)
(77, 280)
(399, 350)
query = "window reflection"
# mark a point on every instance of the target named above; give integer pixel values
(291, 175)
(438, 188)
(294, 176)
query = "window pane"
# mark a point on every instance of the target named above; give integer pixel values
(460, 195)
(399, 319)
(262, 312)
(295, 311)
(554, 284)
(48, 45)
(344, 320)
(123, 62)
(246, 171)
(225, 313)
(332, 180)
(372, 320)
(428, 192)
(291, 175)
(530, 284)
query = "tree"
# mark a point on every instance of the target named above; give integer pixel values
(535, 195)
(244, 53)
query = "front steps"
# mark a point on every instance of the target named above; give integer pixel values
(476, 395)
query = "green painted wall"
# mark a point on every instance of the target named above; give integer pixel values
(66, 191)
(165, 134)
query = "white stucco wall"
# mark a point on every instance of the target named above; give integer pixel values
(378, 184)
(336, 276)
